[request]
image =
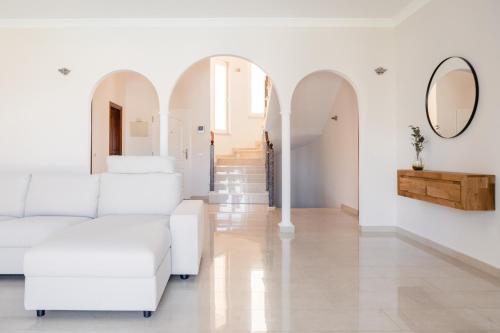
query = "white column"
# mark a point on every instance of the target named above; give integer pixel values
(286, 222)
(286, 239)
(163, 133)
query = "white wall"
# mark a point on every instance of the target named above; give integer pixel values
(339, 149)
(244, 129)
(272, 123)
(441, 29)
(40, 106)
(307, 186)
(139, 101)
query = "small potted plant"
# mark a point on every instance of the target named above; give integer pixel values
(417, 141)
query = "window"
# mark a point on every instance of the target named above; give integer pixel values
(220, 97)
(258, 91)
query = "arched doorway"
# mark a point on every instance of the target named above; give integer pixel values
(125, 118)
(324, 140)
(226, 100)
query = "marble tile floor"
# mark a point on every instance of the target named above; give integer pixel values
(328, 277)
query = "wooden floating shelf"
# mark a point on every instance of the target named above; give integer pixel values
(466, 191)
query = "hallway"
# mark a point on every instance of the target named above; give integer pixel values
(328, 278)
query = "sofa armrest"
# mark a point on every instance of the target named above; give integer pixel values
(187, 231)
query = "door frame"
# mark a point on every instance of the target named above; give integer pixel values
(120, 109)
(183, 116)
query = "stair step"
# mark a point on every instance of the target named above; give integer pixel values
(240, 169)
(238, 198)
(239, 161)
(248, 149)
(218, 157)
(238, 173)
(240, 188)
(238, 179)
(248, 152)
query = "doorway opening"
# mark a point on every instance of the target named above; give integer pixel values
(324, 139)
(218, 113)
(125, 118)
(115, 129)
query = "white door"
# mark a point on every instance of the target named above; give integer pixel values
(178, 149)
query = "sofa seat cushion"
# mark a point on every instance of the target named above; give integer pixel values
(112, 246)
(30, 231)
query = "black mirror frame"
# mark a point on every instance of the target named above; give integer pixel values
(476, 83)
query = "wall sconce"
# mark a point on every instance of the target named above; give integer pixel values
(380, 70)
(335, 118)
(64, 71)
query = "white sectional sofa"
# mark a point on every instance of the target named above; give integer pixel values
(34, 207)
(107, 242)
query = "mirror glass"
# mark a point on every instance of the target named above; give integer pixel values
(452, 96)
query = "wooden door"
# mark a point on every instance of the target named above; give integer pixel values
(115, 129)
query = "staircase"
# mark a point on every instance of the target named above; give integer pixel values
(240, 178)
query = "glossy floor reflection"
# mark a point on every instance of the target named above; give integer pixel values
(326, 278)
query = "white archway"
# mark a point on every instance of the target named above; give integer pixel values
(325, 105)
(124, 117)
(191, 94)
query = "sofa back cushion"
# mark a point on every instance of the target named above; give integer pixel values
(140, 164)
(68, 195)
(13, 188)
(152, 193)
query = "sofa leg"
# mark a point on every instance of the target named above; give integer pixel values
(147, 314)
(184, 277)
(40, 313)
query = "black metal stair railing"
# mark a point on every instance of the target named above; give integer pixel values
(269, 170)
(271, 175)
(212, 163)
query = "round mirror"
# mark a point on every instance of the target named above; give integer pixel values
(452, 96)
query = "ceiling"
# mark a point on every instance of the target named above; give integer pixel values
(98, 9)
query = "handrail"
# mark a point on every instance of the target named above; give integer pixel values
(212, 161)
(270, 174)
(266, 139)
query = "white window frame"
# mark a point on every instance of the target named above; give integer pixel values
(227, 130)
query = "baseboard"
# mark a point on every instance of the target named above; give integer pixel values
(199, 197)
(456, 255)
(349, 210)
(377, 228)
(433, 246)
